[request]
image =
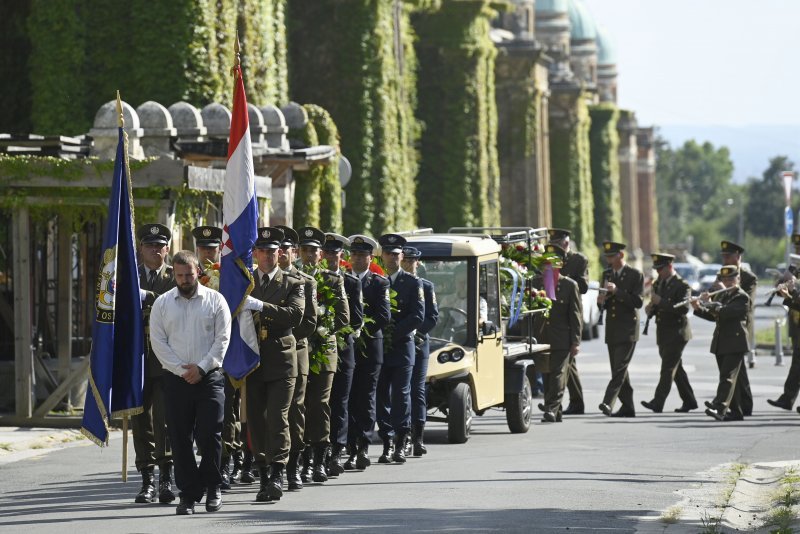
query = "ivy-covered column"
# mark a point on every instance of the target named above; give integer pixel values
(355, 59)
(628, 181)
(604, 141)
(570, 169)
(305, 210)
(459, 174)
(330, 190)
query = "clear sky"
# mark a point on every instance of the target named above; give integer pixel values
(706, 62)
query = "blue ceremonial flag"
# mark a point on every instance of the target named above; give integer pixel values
(116, 377)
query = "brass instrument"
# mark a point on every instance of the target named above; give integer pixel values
(652, 311)
(691, 300)
(777, 289)
(602, 289)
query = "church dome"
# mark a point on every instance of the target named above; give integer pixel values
(606, 53)
(581, 23)
(553, 6)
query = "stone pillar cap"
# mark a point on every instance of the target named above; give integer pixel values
(187, 120)
(217, 119)
(295, 115)
(105, 121)
(155, 120)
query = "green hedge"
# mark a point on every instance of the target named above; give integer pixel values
(459, 172)
(308, 184)
(330, 189)
(604, 141)
(15, 46)
(342, 56)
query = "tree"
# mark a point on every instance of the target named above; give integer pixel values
(765, 200)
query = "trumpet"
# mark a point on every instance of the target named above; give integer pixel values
(690, 300)
(789, 284)
(599, 289)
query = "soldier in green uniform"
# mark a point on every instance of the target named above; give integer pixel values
(622, 301)
(150, 439)
(576, 266)
(791, 300)
(562, 330)
(732, 255)
(672, 334)
(318, 390)
(729, 310)
(278, 301)
(207, 240)
(297, 411)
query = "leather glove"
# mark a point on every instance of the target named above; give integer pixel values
(253, 304)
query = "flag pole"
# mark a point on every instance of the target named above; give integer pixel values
(121, 124)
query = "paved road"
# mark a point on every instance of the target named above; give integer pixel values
(590, 473)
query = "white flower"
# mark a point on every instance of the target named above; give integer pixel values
(322, 331)
(322, 310)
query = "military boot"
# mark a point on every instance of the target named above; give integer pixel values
(263, 490)
(165, 495)
(247, 469)
(388, 451)
(236, 474)
(275, 482)
(293, 471)
(352, 451)
(417, 431)
(362, 455)
(148, 491)
(399, 455)
(335, 467)
(225, 473)
(319, 474)
(308, 464)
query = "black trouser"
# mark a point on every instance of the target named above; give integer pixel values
(340, 396)
(195, 413)
(743, 385)
(729, 395)
(792, 385)
(556, 380)
(672, 370)
(620, 385)
(394, 401)
(231, 425)
(363, 391)
(574, 383)
(150, 438)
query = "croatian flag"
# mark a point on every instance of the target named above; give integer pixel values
(239, 231)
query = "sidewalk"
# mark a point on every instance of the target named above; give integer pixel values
(18, 443)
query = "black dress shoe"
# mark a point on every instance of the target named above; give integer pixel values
(542, 407)
(185, 507)
(213, 499)
(684, 408)
(573, 409)
(733, 416)
(716, 414)
(651, 405)
(780, 404)
(798, 409)
(605, 408)
(624, 413)
(548, 417)
(710, 404)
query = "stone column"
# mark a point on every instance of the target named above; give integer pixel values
(628, 181)
(646, 174)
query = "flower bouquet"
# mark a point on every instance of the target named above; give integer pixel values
(210, 276)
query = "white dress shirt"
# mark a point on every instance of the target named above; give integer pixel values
(194, 330)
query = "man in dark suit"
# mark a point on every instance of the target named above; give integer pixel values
(324, 345)
(732, 255)
(562, 330)
(622, 301)
(576, 267)
(791, 386)
(394, 384)
(729, 310)
(419, 402)
(270, 388)
(150, 438)
(297, 410)
(672, 335)
(368, 351)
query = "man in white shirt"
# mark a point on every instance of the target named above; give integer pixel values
(190, 328)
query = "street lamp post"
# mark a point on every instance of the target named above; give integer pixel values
(731, 202)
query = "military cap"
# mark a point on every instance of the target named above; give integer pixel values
(728, 271)
(290, 237)
(411, 253)
(796, 239)
(729, 247)
(660, 259)
(557, 234)
(269, 237)
(154, 233)
(335, 242)
(555, 249)
(207, 236)
(392, 243)
(610, 248)
(363, 243)
(310, 236)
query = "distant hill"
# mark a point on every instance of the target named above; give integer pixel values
(751, 146)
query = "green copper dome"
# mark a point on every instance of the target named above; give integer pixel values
(580, 21)
(553, 6)
(606, 53)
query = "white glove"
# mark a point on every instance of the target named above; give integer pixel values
(253, 304)
(142, 295)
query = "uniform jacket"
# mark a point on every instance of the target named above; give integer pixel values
(576, 266)
(309, 322)
(730, 335)
(164, 282)
(341, 317)
(284, 303)
(672, 324)
(375, 292)
(431, 308)
(355, 302)
(409, 316)
(622, 308)
(563, 326)
(748, 282)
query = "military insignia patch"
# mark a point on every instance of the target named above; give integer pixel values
(358, 240)
(608, 246)
(154, 230)
(206, 232)
(265, 233)
(309, 233)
